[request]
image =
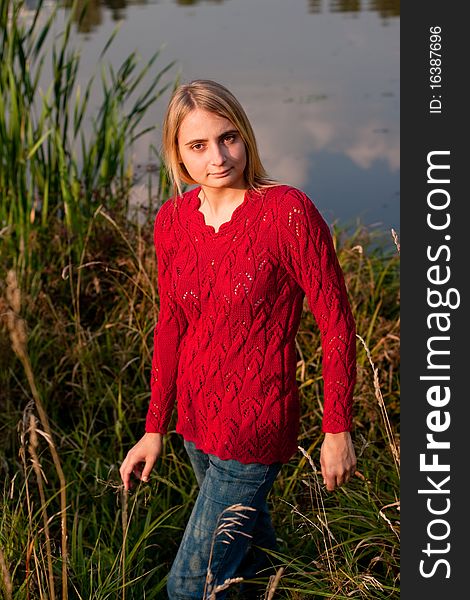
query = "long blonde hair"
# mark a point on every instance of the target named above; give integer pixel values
(215, 98)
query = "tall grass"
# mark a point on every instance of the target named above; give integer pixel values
(56, 161)
(78, 310)
(93, 383)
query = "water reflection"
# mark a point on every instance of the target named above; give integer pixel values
(385, 8)
(94, 16)
(189, 2)
(322, 93)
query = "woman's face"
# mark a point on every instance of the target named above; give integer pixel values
(212, 150)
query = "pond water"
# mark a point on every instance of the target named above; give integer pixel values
(319, 80)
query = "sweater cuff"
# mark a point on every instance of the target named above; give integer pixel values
(338, 425)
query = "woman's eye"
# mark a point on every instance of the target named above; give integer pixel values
(230, 137)
(196, 146)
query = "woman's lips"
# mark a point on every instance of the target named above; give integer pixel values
(222, 173)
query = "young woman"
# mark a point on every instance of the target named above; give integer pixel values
(236, 256)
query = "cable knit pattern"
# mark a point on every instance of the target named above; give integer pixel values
(230, 308)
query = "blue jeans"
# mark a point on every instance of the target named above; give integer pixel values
(237, 547)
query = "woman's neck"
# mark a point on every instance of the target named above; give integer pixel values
(218, 199)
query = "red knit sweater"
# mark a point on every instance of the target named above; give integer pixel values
(230, 308)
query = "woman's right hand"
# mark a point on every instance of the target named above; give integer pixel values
(141, 458)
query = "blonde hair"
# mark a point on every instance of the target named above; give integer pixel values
(215, 98)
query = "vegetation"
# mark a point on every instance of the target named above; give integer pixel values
(78, 305)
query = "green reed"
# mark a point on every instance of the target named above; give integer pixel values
(56, 160)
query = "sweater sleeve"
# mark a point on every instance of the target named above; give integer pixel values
(169, 330)
(309, 257)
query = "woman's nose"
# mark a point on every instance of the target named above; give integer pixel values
(217, 156)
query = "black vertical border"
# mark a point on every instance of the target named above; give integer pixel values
(421, 133)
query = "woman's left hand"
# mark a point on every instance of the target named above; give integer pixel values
(337, 459)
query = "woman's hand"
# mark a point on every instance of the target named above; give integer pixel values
(337, 459)
(141, 458)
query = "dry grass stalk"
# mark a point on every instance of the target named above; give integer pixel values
(39, 476)
(6, 579)
(31, 527)
(387, 520)
(18, 337)
(273, 583)
(126, 519)
(328, 537)
(378, 394)
(395, 239)
(225, 527)
(125, 530)
(364, 585)
(224, 586)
